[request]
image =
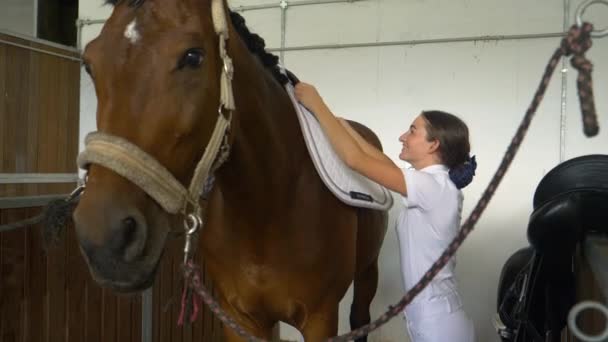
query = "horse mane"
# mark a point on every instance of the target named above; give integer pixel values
(257, 46)
(254, 42)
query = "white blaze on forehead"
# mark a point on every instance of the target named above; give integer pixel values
(131, 32)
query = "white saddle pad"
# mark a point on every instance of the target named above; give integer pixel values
(349, 186)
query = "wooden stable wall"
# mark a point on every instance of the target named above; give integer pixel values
(38, 114)
(48, 295)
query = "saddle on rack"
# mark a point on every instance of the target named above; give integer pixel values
(537, 286)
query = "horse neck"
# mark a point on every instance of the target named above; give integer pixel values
(267, 149)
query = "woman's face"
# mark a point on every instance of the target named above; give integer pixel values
(416, 146)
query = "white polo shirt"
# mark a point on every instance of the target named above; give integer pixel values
(426, 226)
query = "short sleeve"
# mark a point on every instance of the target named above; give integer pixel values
(423, 189)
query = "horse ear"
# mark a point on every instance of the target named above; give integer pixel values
(221, 14)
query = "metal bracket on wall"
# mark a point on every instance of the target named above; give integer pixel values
(28, 201)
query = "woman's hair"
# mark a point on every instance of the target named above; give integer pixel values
(452, 134)
(454, 146)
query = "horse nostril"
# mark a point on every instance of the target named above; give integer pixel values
(125, 235)
(129, 230)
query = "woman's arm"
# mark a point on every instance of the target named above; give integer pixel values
(368, 148)
(382, 171)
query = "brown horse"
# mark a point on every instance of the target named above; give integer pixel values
(277, 244)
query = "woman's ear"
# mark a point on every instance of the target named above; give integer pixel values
(434, 146)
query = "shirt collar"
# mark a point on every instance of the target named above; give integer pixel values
(436, 168)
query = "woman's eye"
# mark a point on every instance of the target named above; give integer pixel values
(193, 58)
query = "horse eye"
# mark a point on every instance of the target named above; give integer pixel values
(193, 58)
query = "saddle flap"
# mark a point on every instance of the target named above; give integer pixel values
(347, 185)
(555, 226)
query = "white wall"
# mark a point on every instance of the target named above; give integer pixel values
(489, 84)
(18, 16)
(89, 9)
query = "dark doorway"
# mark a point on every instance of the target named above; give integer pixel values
(57, 21)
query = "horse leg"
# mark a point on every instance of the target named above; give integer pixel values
(365, 285)
(322, 324)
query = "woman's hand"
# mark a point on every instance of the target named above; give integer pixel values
(309, 97)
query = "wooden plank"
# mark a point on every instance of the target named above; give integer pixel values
(13, 109)
(108, 328)
(1, 263)
(48, 81)
(35, 292)
(56, 295)
(21, 92)
(73, 118)
(136, 316)
(34, 137)
(124, 321)
(3, 104)
(12, 276)
(32, 126)
(75, 289)
(156, 306)
(165, 299)
(93, 311)
(60, 135)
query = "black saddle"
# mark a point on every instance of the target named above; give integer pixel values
(570, 201)
(537, 287)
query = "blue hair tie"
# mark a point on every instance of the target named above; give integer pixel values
(462, 175)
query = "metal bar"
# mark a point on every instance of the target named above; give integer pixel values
(78, 35)
(35, 33)
(146, 315)
(422, 42)
(28, 201)
(80, 24)
(564, 92)
(39, 41)
(291, 3)
(283, 29)
(37, 178)
(596, 253)
(77, 59)
(85, 22)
